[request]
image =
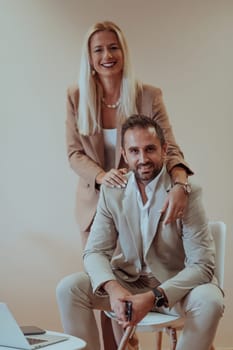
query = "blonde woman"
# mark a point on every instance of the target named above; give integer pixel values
(106, 95)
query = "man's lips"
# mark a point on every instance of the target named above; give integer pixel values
(145, 168)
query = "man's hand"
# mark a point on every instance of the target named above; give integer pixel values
(117, 295)
(141, 304)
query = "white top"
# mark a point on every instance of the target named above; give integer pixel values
(110, 139)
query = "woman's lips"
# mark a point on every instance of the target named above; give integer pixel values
(108, 64)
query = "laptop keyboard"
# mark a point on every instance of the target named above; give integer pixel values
(33, 341)
(37, 341)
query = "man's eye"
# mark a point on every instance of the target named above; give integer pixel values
(134, 151)
(150, 149)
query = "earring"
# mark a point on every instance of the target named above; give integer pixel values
(93, 72)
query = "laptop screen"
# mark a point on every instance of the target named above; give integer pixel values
(12, 336)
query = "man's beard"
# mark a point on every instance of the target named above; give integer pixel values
(152, 174)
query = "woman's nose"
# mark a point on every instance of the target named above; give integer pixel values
(108, 54)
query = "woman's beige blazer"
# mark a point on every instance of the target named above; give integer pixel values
(86, 153)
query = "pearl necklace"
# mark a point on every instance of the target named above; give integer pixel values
(113, 106)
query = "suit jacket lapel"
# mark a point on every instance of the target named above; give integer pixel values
(161, 190)
(97, 142)
(132, 218)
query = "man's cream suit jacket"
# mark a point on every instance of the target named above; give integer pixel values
(181, 255)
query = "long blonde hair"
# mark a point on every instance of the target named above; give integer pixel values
(90, 90)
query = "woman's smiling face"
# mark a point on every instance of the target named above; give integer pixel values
(106, 56)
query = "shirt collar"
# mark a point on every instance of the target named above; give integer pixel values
(150, 187)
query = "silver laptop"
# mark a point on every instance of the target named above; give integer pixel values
(12, 336)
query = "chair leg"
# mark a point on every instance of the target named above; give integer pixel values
(133, 342)
(158, 340)
(173, 337)
(124, 341)
(107, 332)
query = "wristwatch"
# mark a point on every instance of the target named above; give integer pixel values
(185, 185)
(159, 298)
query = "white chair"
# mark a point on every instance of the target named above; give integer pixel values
(156, 322)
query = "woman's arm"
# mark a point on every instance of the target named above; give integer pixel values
(80, 161)
(81, 152)
(175, 157)
(177, 167)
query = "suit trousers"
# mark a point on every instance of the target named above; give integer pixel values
(110, 330)
(201, 308)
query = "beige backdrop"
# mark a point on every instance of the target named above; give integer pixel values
(182, 46)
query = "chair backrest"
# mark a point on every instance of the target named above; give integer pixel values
(218, 230)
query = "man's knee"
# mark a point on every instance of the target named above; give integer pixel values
(69, 284)
(207, 298)
(214, 302)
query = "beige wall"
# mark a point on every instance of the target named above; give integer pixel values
(182, 46)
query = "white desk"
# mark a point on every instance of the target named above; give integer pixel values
(72, 343)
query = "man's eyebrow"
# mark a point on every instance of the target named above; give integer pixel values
(133, 147)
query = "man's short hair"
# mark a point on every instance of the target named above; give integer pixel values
(143, 122)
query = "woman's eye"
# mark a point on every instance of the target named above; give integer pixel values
(98, 49)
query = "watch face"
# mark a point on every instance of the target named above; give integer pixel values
(159, 298)
(160, 301)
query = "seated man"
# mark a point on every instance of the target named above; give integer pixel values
(131, 255)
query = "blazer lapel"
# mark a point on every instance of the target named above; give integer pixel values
(97, 142)
(158, 201)
(131, 216)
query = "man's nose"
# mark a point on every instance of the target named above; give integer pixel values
(142, 157)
